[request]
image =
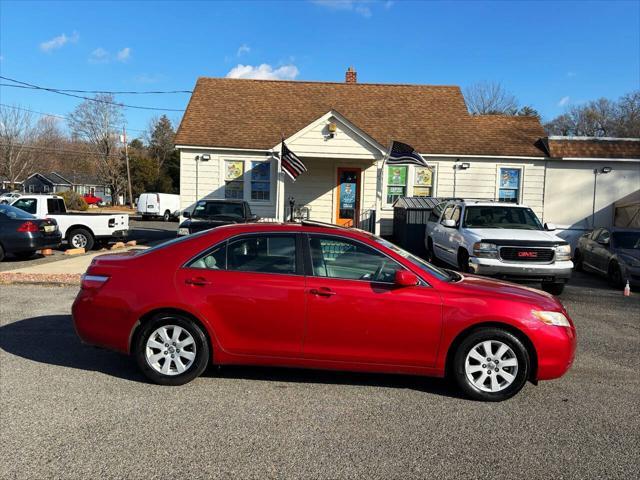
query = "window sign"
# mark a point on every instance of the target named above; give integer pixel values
(509, 185)
(423, 182)
(347, 195)
(396, 182)
(260, 180)
(234, 183)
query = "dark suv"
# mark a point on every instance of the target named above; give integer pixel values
(208, 214)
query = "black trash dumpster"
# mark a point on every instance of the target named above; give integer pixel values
(410, 215)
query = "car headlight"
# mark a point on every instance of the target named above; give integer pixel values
(183, 231)
(485, 250)
(563, 252)
(552, 318)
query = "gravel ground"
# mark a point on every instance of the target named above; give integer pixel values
(72, 411)
(144, 232)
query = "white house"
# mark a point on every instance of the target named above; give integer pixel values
(230, 135)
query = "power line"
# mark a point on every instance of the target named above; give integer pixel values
(63, 117)
(97, 100)
(112, 92)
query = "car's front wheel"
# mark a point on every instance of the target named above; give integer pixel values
(491, 364)
(171, 350)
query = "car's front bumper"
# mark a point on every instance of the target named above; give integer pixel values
(557, 271)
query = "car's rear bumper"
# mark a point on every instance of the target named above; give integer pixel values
(557, 271)
(30, 242)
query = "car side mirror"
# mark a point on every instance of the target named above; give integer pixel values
(549, 227)
(186, 214)
(449, 223)
(604, 242)
(405, 278)
(253, 217)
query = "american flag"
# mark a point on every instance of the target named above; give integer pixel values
(291, 164)
(403, 154)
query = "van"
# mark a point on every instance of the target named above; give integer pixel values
(153, 205)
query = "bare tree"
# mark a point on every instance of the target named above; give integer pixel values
(490, 98)
(17, 132)
(628, 123)
(160, 137)
(97, 123)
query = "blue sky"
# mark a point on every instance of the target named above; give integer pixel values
(548, 54)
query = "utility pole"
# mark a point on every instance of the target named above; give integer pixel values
(126, 157)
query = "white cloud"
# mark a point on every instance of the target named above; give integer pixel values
(124, 54)
(361, 7)
(571, 74)
(264, 72)
(59, 42)
(564, 101)
(99, 55)
(244, 48)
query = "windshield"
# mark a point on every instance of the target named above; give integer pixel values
(15, 213)
(425, 266)
(630, 240)
(501, 217)
(217, 209)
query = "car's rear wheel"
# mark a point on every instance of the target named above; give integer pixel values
(80, 238)
(577, 260)
(554, 288)
(491, 364)
(171, 350)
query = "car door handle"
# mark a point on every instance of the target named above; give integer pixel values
(323, 292)
(197, 281)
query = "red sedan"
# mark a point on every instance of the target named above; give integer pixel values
(306, 295)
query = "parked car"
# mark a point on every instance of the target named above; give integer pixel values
(214, 213)
(163, 205)
(498, 239)
(91, 199)
(305, 295)
(614, 253)
(22, 234)
(81, 230)
(9, 197)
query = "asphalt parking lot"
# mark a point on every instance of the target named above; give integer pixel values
(143, 232)
(72, 411)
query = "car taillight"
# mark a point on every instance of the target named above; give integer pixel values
(28, 226)
(92, 282)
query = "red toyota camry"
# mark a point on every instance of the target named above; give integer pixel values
(307, 295)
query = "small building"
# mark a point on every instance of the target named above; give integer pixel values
(230, 137)
(54, 182)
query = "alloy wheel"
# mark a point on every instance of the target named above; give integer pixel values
(491, 366)
(170, 350)
(79, 240)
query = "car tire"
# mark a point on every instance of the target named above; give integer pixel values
(167, 216)
(165, 368)
(506, 377)
(554, 288)
(80, 238)
(431, 254)
(577, 260)
(463, 260)
(1, 253)
(614, 275)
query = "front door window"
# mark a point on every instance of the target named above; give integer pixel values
(348, 197)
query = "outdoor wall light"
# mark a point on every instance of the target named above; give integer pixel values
(605, 170)
(464, 166)
(205, 158)
(333, 129)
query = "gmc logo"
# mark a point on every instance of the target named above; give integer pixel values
(528, 254)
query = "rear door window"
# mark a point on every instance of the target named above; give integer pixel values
(55, 205)
(263, 254)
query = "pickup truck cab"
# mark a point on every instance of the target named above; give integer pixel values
(80, 230)
(208, 214)
(498, 239)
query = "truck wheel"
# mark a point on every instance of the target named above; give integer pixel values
(80, 238)
(463, 260)
(553, 288)
(167, 216)
(577, 260)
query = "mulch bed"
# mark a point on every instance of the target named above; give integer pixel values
(40, 278)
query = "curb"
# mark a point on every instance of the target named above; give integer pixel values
(51, 279)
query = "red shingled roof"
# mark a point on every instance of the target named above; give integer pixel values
(582, 147)
(433, 119)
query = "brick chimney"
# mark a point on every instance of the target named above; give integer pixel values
(351, 76)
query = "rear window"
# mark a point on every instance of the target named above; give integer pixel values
(56, 205)
(28, 205)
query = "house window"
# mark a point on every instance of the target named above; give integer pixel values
(233, 179)
(423, 182)
(46, 188)
(261, 181)
(509, 184)
(31, 189)
(396, 182)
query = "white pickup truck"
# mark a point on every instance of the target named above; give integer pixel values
(498, 239)
(80, 230)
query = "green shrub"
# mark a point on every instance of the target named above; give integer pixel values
(74, 201)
